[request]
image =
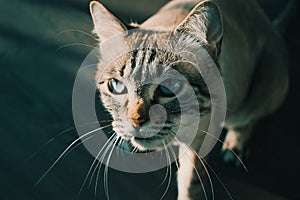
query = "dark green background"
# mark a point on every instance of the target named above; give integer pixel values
(36, 82)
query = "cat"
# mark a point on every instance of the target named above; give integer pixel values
(239, 38)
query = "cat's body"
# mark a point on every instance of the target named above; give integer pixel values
(251, 58)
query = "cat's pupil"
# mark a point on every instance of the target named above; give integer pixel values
(116, 87)
(170, 87)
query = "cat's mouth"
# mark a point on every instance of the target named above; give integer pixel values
(148, 139)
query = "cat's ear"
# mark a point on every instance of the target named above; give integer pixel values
(106, 24)
(205, 23)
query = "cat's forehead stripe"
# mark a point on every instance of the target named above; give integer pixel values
(152, 56)
(139, 62)
(133, 58)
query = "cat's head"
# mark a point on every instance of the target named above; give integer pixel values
(150, 88)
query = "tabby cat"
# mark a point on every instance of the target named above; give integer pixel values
(239, 38)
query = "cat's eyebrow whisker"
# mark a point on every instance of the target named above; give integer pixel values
(75, 44)
(65, 151)
(79, 31)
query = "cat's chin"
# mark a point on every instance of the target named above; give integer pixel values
(147, 144)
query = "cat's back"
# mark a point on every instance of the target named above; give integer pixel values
(237, 13)
(170, 15)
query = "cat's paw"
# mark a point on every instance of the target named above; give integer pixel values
(234, 148)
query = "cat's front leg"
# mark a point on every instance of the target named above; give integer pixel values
(189, 185)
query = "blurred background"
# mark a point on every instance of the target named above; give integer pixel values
(42, 45)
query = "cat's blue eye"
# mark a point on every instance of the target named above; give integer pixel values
(170, 87)
(116, 87)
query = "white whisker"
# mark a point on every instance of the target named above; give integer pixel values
(74, 44)
(100, 161)
(77, 145)
(90, 169)
(199, 178)
(219, 180)
(66, 150)
(51, 140)
(167, 172)
(175, 158)
(79, 31)
(105, 177)
(195, 169)
(206, 171)
(231, 150)
(99, 165)
(169, 169)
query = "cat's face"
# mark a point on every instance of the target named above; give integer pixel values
(150, 90)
